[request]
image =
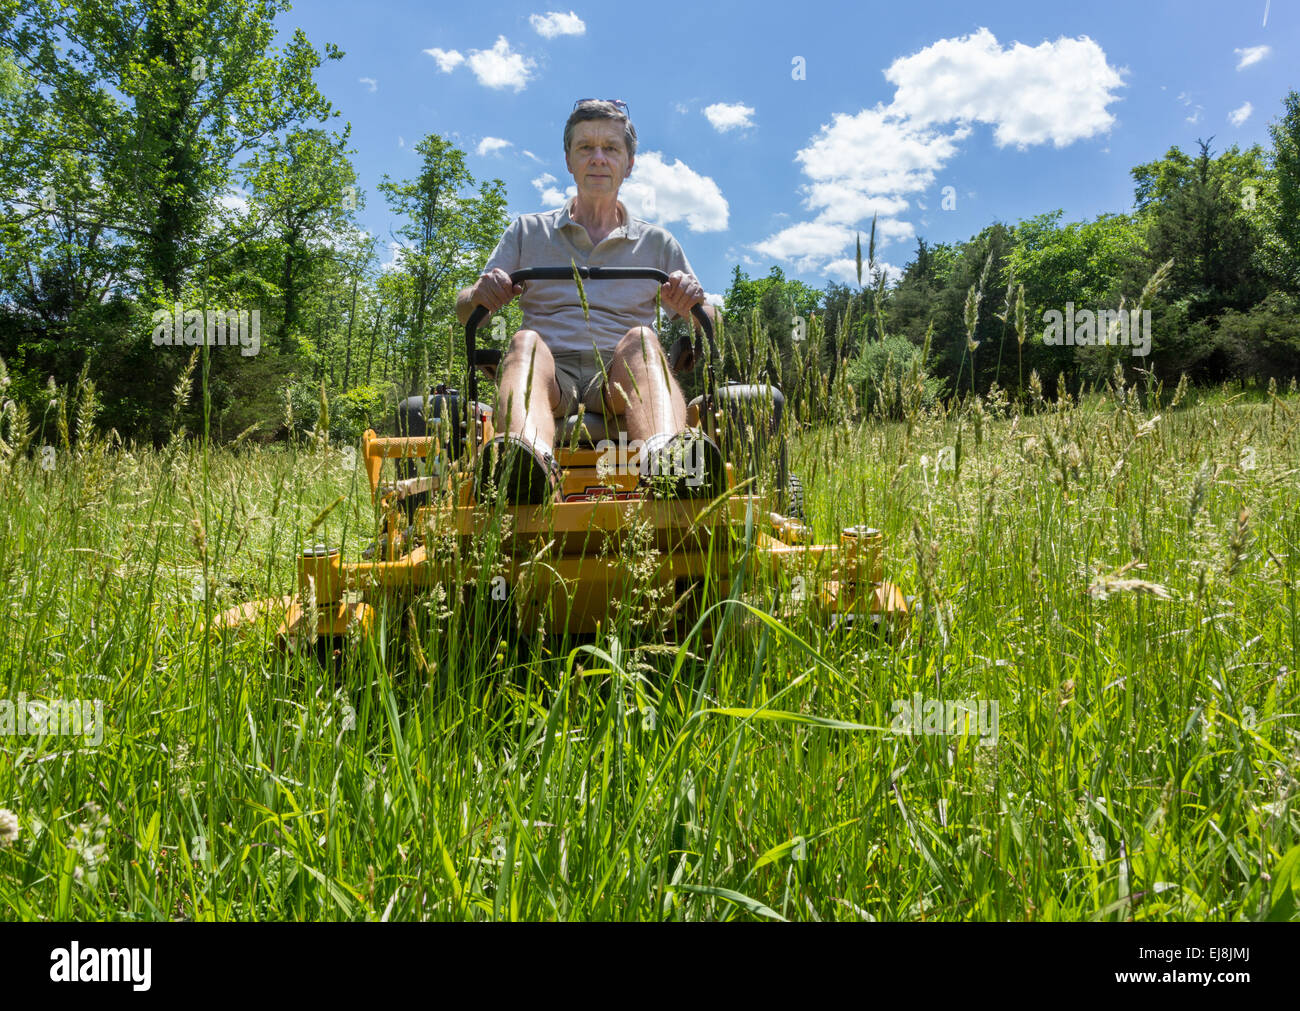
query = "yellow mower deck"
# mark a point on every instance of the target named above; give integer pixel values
(561, 561)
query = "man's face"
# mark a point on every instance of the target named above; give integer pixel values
(597, 156)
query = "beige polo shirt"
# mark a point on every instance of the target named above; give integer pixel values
(553, 308)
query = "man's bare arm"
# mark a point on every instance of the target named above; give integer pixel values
(492, 289)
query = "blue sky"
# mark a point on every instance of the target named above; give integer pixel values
(1020, 108)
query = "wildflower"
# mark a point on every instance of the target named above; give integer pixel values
(8, 827)
(88, 843)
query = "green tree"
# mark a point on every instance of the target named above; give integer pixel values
(1195, 213)
(305, 188)
(1281, 203)
(447, 234)
(759, 318)
(1091, 264)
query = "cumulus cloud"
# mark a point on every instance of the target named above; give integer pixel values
(553, 23)
(724, 117)
(868, 163)
(492, 145)
(374, 85)
(1239, 115)
(806, 244)
(1251, 55)
(447, 59)
(500, 67)
(842, 202)
(1055, 91)
(846, 271)
(876, 153)
(547, 191)
(664, 193)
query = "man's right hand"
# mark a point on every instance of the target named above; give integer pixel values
(494, 290)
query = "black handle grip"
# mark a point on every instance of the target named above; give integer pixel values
(587, 274)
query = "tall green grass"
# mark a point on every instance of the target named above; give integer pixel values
(1124, 585)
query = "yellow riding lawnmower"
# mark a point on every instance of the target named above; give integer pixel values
(563, 564)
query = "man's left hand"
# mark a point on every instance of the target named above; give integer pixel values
(681, 292)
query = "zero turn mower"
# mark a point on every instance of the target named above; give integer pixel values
(559, 564)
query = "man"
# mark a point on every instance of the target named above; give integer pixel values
(611, 361)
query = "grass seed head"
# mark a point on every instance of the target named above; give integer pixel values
(8, 827)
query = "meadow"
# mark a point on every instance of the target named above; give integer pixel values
(1117, 570)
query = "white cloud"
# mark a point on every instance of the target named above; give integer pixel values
(846, 271)
(865, 164)
(529, 154)
(666, 193)
(235, 201)
(548, 192)
(553, 23)
(1238, 116)
(492, 145)
(859, 166)
(1186, 99)
(374, 85)
(343, 239)
(1055, 91)
(499, 67)
(875, 152)
(724, 117)
(843, 203)
(448, 59)
(394, 260)
(1251, 55)
(806, 244)
(712, 298)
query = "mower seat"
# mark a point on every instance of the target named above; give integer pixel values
(591, 426)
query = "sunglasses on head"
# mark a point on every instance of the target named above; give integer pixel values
(617, 103)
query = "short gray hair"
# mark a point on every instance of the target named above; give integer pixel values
(600, 109)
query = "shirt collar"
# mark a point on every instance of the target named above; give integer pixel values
(631, 227)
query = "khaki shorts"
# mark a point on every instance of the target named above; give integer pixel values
(582, 381)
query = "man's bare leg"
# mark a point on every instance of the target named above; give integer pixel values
(643, 390)
(526, 411)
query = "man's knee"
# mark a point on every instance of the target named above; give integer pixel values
(528, 355)
(527, 347)
(639, 344)
(640, 361)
